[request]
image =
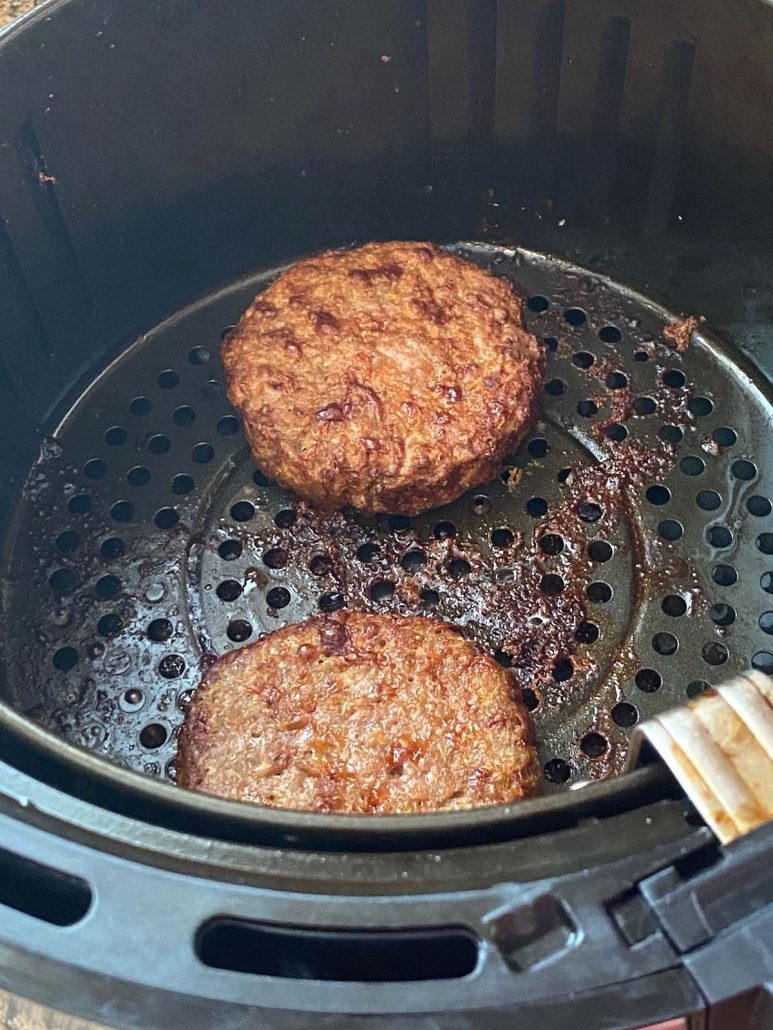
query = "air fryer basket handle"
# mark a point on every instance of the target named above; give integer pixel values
(637, 940)
(555, 946)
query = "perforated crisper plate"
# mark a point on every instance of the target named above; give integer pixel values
(624, 563)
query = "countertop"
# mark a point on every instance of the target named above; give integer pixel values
(10, 9)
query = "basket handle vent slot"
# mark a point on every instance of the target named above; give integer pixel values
(362, 956)
(41, 892)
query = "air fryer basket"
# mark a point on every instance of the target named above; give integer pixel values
(161, 161)
(598, 567)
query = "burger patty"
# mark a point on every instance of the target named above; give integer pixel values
(353, 712)
(393, 377)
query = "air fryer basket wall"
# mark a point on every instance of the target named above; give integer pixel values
(154, 152)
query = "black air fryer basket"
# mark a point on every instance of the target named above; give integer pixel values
(160, 163)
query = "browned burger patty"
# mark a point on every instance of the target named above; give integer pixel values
(354, 712)
(391, 378)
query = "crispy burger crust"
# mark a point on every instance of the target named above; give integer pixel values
(393, 377)
(353, 712)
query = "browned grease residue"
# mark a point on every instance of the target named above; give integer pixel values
(679, 333)
(501, 597)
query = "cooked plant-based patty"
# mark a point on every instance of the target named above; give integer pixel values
(393, 377)
(353, 712)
